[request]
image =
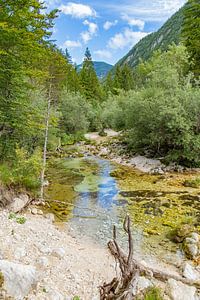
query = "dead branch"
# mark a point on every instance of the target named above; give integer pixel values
(121, 288)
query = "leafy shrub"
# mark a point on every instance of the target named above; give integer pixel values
(18, 219)
(24, 171)
(75, 113)
(162, 117)
(153, 294)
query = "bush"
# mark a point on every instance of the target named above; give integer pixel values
(162, 117)
(75, 113)
(24, 171)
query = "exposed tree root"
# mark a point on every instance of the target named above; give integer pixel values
(121, 287)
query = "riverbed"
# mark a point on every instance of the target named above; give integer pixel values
(92, 194)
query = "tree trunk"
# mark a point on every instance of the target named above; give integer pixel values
(45, 144)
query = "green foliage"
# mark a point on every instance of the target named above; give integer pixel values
(75, 112)
(194, 183)
(191, 33)
(18, 219)
(24, 171)
(90, 86)
(11, 216)
(76, 298)
(21, 220)
(153, 293)
(163, 115)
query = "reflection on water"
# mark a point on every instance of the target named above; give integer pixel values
(83, 192)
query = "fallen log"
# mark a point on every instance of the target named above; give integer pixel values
(121, 287)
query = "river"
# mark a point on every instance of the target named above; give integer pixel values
(93, 194)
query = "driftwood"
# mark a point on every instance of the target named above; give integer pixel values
(121, 287)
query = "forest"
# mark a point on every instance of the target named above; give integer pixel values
(52, 174)
(156, 104)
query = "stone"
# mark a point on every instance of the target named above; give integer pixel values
(18, 203)
(142, 283)
(43, 261)
(176, 290)
(189, 240)
(194, 236)
(181, 233)
(189, 272)
(55, 295)
(19, 253)
(191, 250)
(34, 211)
(40, 212)
(50, 216)
(58, 252)
(18, 279)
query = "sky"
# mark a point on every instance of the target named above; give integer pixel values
(110, 28)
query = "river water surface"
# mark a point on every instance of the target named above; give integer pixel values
(93, 194)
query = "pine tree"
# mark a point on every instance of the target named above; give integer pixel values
(123, 78)
(90, 85)
(191, 33)
(68, 56)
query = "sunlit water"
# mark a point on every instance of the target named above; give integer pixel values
(83, 193)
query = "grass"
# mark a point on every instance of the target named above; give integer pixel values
(152, 293)
(19, 219)
(194, 183)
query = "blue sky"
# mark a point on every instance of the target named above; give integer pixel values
(109, 28)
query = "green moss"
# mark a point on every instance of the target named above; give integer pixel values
(153, 294)
(194, 183)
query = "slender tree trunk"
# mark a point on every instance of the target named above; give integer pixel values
(45, 144)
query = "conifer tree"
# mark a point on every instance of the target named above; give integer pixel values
(191, 33)
(68, 56)
(90, 85)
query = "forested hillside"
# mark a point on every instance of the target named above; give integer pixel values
(169, 33)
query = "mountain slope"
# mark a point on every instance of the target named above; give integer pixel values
(101, 68)
(169, 33)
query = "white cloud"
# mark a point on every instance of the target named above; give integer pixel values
(126, 38)
(103, 53)
(133, 22)
(92, 30)
(78, 10)
(148, 10)
(107, 25)
(72, 44)
(93, 27)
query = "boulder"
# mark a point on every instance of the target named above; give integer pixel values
(18, 279)
(142, 284)
(189, 272)
(176, 290)
(18, 203)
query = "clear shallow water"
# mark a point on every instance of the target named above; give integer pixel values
(83, 193)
